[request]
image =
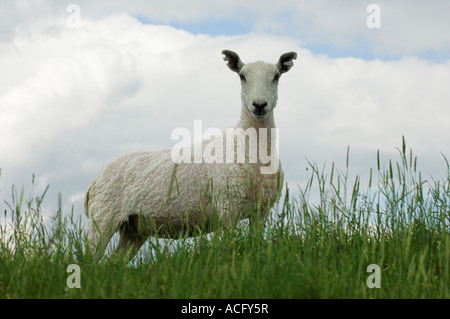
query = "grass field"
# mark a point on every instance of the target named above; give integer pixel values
(310, 248)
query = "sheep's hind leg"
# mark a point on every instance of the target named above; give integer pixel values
(98, 238)
(131, 238)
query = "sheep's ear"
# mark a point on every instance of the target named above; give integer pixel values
(234, 61)
(285, 62)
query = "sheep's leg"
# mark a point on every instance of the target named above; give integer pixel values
(258, 221)
(257, 224)
(131, 238)
(99, 237)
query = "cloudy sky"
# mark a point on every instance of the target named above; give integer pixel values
(81, 82)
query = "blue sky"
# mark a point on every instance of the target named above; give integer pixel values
(72, 99)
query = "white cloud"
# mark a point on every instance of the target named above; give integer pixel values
(71, 99)
(407, 27)
(368, 105)
(73, 78)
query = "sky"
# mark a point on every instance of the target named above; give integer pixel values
(82, 82)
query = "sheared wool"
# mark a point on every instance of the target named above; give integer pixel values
(142, 193)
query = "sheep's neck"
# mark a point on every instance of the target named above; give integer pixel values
(247, 121)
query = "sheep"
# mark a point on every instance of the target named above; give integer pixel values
(141, 194)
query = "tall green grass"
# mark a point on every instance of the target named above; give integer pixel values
(315, 245)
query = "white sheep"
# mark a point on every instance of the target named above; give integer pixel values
(143, 193)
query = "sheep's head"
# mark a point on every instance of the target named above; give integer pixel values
(259, 81)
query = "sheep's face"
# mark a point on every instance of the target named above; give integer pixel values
(259, 82)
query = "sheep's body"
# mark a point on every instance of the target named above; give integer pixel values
(146, 192)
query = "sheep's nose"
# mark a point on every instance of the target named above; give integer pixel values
(260, 105)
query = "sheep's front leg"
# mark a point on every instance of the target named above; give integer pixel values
(258, 221)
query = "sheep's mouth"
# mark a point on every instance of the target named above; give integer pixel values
(259, 115)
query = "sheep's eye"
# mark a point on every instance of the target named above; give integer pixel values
(242, 76)
(276, 78)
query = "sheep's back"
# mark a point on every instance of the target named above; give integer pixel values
(144, 183)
